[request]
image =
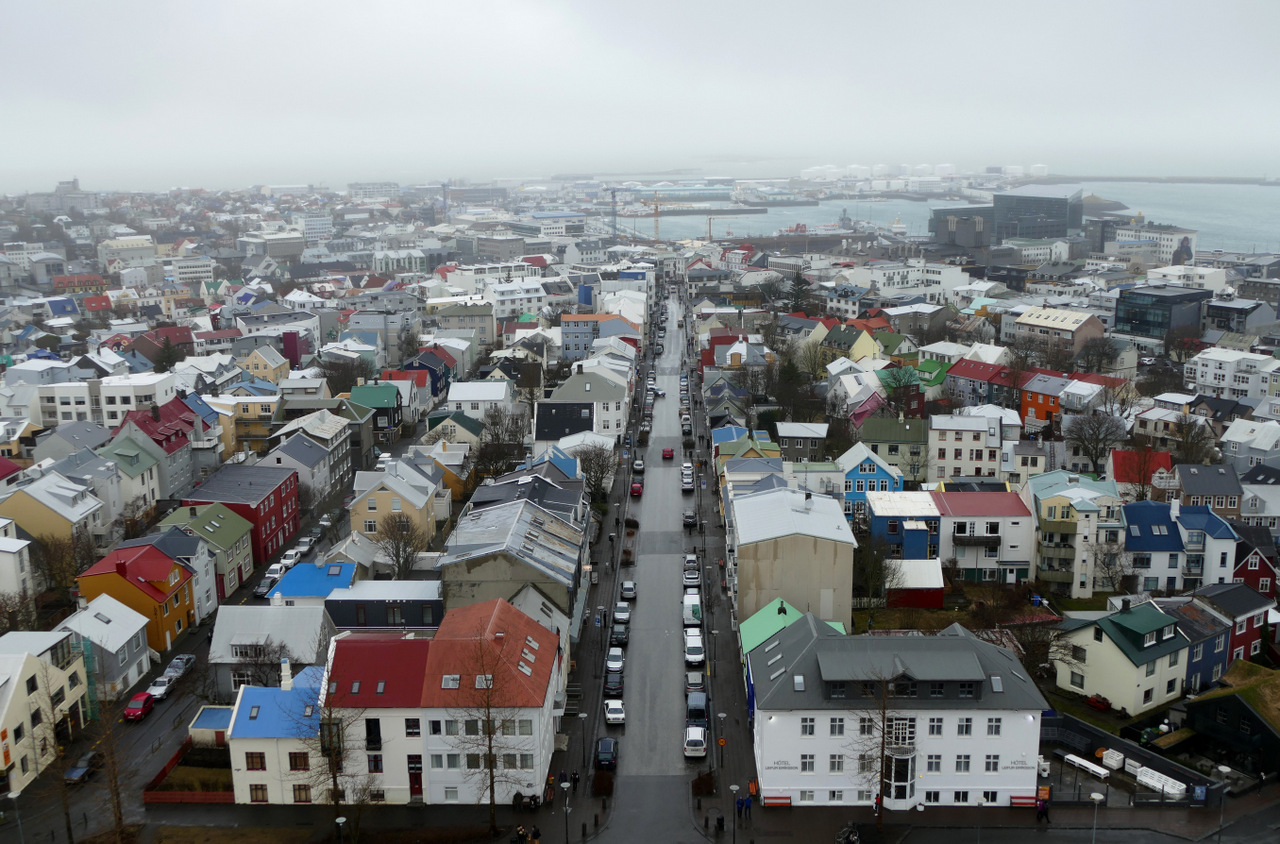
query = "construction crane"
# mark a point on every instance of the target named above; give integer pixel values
(727, 232)
(613, 208)
(656, 214)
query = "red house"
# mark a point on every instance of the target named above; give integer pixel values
(918, 584)
(1242, 607)
(265, 495)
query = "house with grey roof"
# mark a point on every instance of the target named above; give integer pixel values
(608, 394)
(915, 721)
(117, 636)
(493, 552)
(249, 642)
(1215, 487)
(68, 438)
(323, 471)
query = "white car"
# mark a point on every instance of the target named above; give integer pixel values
(614, 712)
(686, 467)
(161, 686)
(290, 557)
(614, 660)
(622, 612)
(694, 653)
(275, 571)
(695, 742)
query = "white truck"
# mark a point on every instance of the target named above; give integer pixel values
(692, 611)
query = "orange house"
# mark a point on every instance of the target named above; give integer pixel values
(1040, 396)
(149, 581)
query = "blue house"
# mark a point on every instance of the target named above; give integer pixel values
(309, 584)
(1207, 653)
(1154, 545)
(865, 471)
(906, 521)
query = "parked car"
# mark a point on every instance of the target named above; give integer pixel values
(694, 652)
(275, 571)
(325, 521)
(660, 393)
(314, 534)
(628, 591)
(290, 557)
(614, 660)
(140, 705)
(613, 684)
(304, 546)
(606, 753)
(686, 429)
(614, 712)
(695, 742)
(161, 686)
(619, 635)
(691, 562)
(692, 577)
(264, 588)
(695, 681)
(686, 467)
(638, 466)
(637, 488)
(690, 518)
(668, 454)
(622, 612)
(686, 484)
(180, 664)
(83, 768)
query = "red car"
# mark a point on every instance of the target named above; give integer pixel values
(637, 488)
(668, 454)
(139, 705)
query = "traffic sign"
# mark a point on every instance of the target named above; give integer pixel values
(720, 741)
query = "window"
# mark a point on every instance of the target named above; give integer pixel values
(1171, 687)
(806, 726)
(1078, 653)
(866, 763)
(1219, 644)
(255, 761)
(835, 764)
(936, 689)
(1151, 668)
(935, 726)
(1173, 658)
(1148, 695)
(437, 761)
(412, 727)
(806, 763)
(302, 794)
(932, 796)
(993, 763)
(299, 762)
(962, 763)
(893, 526)
(837, 726)
(1255, 648)
(257, 793)
(451, 794)
(370, 526)
(1197, 652)
(1077, 680)
(964, 726)
(1242, 625)
(993, 726)
(375, 763)
(933, 763)
(1149, 639)
(866, 727)
(836, 796)
(966, 688)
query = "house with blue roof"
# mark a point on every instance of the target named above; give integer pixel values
(309, 584)
(865, 471)
(272, 728)
(908, 522)
(1170, 546)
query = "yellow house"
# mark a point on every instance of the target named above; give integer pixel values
(248, 419)
(865, 346)
(11, 435)
(51, 505)
(266, 363)
(394, 495)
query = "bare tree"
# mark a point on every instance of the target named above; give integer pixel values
(1043, 644)
(344, 373)
(1096, 354)
(490, 739)
(811, 359)
(50, 734)
(1192, 440)
(1183, 343)
(58, 560)
(898, 380)
(17, 612)
(1118, 402)
(401, 540)
(875, 575)
(1112, 565)
(1144, 467)
(259, 665)
(881, 743)
(1095, 435)
(334, 745)
(597, 463)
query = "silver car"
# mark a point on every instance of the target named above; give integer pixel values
(614, 660)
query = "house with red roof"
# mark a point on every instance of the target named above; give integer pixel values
(96, 304)
(1141, 474)
(992, 535)
(423, 703)
(165, 432)
(150, 582)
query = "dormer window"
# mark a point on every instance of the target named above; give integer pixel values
(1168, 632)
(1149, 640)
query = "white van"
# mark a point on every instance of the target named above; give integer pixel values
(692, 611)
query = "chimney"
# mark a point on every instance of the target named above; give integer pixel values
(1124, 605)
(1073, 479)
(1175, 508)
(155, 411)
(286, 675)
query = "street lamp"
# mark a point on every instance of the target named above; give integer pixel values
(13, 796)
(981, 803)
(582, 719)
(1097, 801)
(1221, 804)
(714, 634)
(721, 716)
(734, 790)
(340, 822)
(565, 786)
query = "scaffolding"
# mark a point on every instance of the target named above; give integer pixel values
(89, 704)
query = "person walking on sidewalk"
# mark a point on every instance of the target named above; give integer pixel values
(738, 806)
(573, 778)
(1042, 811)
(746, 806)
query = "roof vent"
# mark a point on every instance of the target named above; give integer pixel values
(797, 682)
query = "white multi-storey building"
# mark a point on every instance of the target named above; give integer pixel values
(1227, 373)
(190, 272)
(934, 282)
(919, 721)
(474, 278)
(965, 446)
(1199, 278)
(510, 299)
(1163, 241)
(316, 226)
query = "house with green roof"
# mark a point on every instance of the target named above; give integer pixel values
(387, 403)
(228, 536)
(1134, 657)
(899, 442)
(932, 375)
(898, 348)
(139, 476)
(772, 618)
(455, 427)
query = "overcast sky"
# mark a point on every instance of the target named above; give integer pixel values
(150, 95)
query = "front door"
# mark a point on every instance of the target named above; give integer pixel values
(415, 776)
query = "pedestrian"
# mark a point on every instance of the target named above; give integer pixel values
(738, 806)
(1042, 808)
(574, 777)
(746, 806)
(535, 834)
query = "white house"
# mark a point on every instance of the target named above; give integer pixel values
(42, 689)
(949, 719)
(1227, 373)
(474, 398)
(118, 637)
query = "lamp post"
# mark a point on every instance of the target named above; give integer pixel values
(565, 786)
(733, 789)
(339, 822)
(13, 797)
(582, 719)
(1097, 801)
(714, 634)
(721, 716)
(1221, 804)
(981, 803)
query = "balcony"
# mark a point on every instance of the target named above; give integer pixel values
(1193, 569)
(981, 541)
(372, 743)
(900, 751)
(1058, 526)
(1054, 574)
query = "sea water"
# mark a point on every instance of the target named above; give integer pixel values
(1235, 218)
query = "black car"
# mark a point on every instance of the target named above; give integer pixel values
(690, 518)
(264, 588)
(606, 754)
(84, 767)
(619, 634)
(686, 429)
(613, 684)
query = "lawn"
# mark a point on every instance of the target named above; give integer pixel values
(237, 835)
(1097, 602)
(185, 778)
